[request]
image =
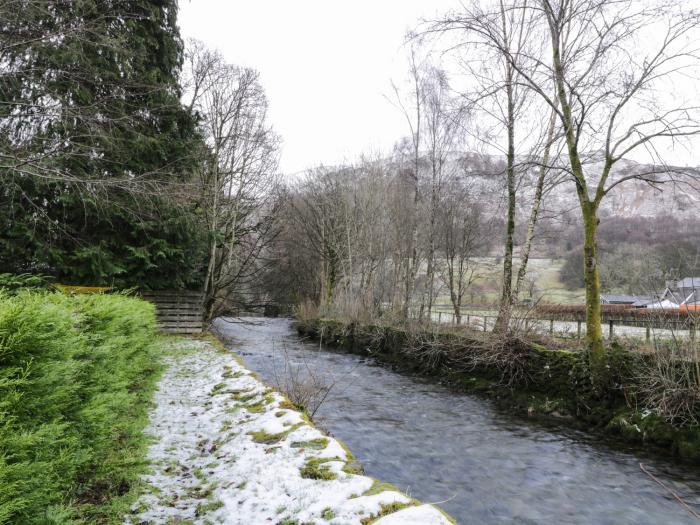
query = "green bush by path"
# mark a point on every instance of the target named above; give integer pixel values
(76, 378)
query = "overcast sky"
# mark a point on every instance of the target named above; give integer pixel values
(326, 66)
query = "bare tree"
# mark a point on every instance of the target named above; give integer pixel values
(444, 121)
(237, 183)
(319, 204)
(412, 105)
(496, 35)
(612, 62)
(544, 173)
(463, 233)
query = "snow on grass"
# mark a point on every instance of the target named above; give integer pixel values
(227, 449)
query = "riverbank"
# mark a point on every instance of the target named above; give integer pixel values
(228, 449)
(548, 384)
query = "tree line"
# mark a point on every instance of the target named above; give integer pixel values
(130, 158)
(567, 90)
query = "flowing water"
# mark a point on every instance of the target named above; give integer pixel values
(481, 465)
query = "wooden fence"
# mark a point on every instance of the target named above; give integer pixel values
(177, 311)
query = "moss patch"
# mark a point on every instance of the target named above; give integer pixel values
(316, 468)
(313, 444)
(385, 510)
(260, 436)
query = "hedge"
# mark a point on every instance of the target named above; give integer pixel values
(76, 378)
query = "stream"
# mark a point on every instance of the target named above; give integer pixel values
(456, 450)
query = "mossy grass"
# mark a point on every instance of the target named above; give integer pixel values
(385, 510)
(261, 436)
(316, 468)
(261, 405)
(378, 487)
(208, 506)
(312, 444)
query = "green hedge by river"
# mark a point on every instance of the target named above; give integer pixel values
(76, 378)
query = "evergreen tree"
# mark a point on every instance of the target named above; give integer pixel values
(96, 144)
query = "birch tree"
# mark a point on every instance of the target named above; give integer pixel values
(444, 127)
(618, 66)
(494, 36)
(412, 105)
(463, 234)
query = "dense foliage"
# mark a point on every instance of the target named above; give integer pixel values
(95, 143)
(76, 377)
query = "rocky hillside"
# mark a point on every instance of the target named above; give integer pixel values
(649, 198)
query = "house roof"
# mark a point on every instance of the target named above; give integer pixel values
(624, 299)
(689, 282)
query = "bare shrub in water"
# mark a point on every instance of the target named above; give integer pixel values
(305, 385)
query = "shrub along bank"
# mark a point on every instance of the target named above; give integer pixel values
(76, 378)
(527, 377)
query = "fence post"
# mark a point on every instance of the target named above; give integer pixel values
(468, 320)
(578, 329)
(648, 333)
(692, 331)
(485, 318)
(439, 317)
(611, 329)
(551, 326)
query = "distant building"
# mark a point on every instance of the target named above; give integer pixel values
(630, 300)
(683, 294)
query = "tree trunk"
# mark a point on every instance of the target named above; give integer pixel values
(594, 331)
(457, 307)
(506, 305)
(589, 211)
(534, 212)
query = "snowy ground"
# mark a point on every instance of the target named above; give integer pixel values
(230, 450)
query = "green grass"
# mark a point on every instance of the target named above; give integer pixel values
(544, 272)
(77, 374)
(315, 468)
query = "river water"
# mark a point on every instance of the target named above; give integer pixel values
(481, 465)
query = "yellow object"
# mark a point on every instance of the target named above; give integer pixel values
(66, 288)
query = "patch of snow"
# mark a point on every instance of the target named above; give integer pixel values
(421, 515)
(227, 449)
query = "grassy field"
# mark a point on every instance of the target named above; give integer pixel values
(542, 282)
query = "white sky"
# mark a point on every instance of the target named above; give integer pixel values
(326, 66)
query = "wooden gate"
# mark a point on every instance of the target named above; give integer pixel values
(177, 311)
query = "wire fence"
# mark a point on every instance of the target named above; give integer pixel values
(616, 324)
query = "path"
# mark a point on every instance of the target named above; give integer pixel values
(230, 450)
